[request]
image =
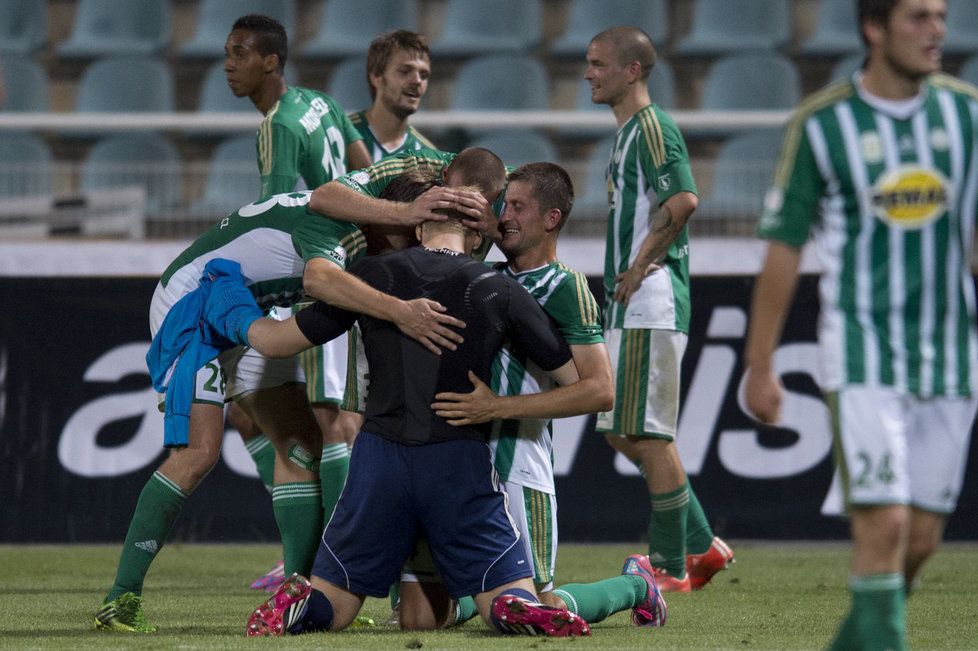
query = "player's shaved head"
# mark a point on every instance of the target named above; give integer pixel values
(630, 44)
(478, 167)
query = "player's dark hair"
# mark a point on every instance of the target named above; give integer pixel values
(270, 36)
(479, 167)
(631, 44)
(877, 11)
(552, 187)
(384, 46)
(408, 186)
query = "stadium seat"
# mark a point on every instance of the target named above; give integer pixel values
(215, 18)
(588, 17)
(486, 84)
(474, 27)
(124, 84)
(757, 81)
(25, 85)
(114, 27)
(517, 146)
(730, 26)
(969, 71)
(836, 30)
(742, 174)
(26, 168)
(23, 26)
(147, 160)
(232, 180)
(962, 28)
(348, 84)
(345, 29)
(662, 91)
(845, 68)
(592, 199)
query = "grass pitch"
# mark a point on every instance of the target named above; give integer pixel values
(777, 596)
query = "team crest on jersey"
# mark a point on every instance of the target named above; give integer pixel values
(871, 147)
(939, 139)
(664, 183)
(910, 197)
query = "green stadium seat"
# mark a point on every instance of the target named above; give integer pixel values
(962, 28)
(969, 71)
(474, 27)
(215, 18)
(346, 29)
(517, 146)
(23, 26)
(588, 17)
(146, 160)
(756, 81)
(742, 173)
(232, 179)
(845, 68)
(26, 168)
(836, 30)
(486, 84)
(25, 84)
(348, 84)
(125, 84)
(592, 199)
(114, 27)
(729, 26)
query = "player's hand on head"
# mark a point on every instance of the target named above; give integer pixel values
(762, 396)
(466, 408)
(477, 211)
(423, 207)
(426, 321)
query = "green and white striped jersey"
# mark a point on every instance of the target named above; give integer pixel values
(272, 240)
(412, 142)
(888, 192)
(648, 164)
(305, 134)
(522, 449)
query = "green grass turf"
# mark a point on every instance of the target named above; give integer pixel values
(777, 596)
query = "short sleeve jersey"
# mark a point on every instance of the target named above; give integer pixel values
(412, 142)
(889, 197)
(372, 180)
(404, 375)
(523, 448)
(272, 240)
(304, 135)
(648, 164)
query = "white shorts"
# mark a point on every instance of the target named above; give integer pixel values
(325, 369)
(235, 372)
(646, 366)
(894, 448)
(535, 515)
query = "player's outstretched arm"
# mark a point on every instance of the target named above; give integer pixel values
(774, 289)
(586, 387)
(341, 202)
(274, 338)
(420, 319)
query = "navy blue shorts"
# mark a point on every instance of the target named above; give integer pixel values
(447, 492)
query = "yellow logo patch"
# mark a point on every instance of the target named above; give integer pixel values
(910, 197)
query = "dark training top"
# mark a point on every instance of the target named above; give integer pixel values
(404, 375)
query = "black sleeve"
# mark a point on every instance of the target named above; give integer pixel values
(534, 333)
(320, 322)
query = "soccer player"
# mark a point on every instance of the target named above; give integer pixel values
(286, 252)
(398, 67)
(881, 170)
(647, 306)
(468, 527)
(538, 202)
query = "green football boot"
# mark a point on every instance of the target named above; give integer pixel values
(124, 613)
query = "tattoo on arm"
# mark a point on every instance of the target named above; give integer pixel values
(663, 228)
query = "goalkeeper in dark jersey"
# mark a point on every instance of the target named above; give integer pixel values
(404, 444)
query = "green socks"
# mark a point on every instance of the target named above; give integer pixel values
(157, 509)
(699, 535)
(299, 513)
(333, 468)
(465, 610)
(667, 531)
(261, 450)
(877, 617)
(595, 601)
